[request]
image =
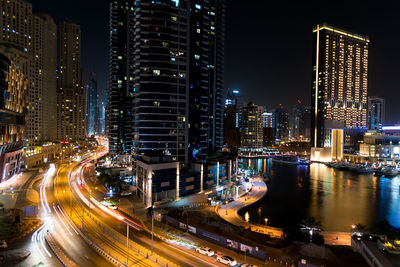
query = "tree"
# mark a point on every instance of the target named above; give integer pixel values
(384, 228)
(311, 225)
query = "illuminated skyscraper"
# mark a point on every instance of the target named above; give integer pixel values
(376, 112)
(340, 81)
(92, 107)
(166, 78)
(252, 127)
(29, 40)
(70, 93)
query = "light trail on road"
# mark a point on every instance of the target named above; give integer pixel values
(38, 237)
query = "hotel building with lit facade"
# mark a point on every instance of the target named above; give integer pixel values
(339, 83)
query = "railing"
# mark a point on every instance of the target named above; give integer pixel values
(118, 237)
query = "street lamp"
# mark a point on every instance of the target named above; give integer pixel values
(266, 221)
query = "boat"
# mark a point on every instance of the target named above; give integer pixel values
(364, 169)
(291, 160)
(304, 162)
(386, 171)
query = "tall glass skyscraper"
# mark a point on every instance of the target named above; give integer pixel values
(121, 85)
(92, 107)
(166, 78)
(340, 81)
(376, 112)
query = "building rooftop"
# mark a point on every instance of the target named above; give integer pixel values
(325, 26)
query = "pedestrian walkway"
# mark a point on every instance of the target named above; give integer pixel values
(230, 212)
(17, 192)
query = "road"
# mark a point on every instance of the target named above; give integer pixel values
(108, 229)
(74, 218)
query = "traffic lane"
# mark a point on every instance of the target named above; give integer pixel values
(96, 233)
(73, 246)
(161, 248)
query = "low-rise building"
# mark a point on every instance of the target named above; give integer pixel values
(159, 177)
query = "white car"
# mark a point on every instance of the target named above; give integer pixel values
(205, 251)
(3, 244)
(113, 207)
(226, 260)
(126, 193)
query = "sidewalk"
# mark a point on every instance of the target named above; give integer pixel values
(17, 192)
(230, 212)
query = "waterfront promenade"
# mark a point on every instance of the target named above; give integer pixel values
(230, 212)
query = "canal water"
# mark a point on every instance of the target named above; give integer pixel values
(338, 199)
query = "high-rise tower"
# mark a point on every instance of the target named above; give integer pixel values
(70, 93)
(376, 112)
(92, 107)
(42, 96)
(29, 40)
(166, 78)
(340, 82)
(121, 84)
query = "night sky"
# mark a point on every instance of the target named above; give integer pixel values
(268, 46)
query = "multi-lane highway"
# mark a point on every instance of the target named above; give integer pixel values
(87, 233)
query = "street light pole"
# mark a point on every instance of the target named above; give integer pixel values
(127, 244)
(152, 229)
(83, 225)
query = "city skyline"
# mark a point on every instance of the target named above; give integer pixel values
(263, 60)
(175, 133)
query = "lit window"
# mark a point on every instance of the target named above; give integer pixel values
(156, 72)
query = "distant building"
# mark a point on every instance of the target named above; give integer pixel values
(268, 119)
(252, 127)
(340, 81)
(281, 124)
(42, 91)
(300, 122)
(384, 146)
(376, 112)
(268, 128)
(232, 118)
(231, 126)
(13, 85)
(70, 93)
(92, 107)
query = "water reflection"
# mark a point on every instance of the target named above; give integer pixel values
(338, 199)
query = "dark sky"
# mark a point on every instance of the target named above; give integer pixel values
(268, 48)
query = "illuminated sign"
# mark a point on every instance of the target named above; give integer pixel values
(391, 128)
(235, 91)
(176, 2)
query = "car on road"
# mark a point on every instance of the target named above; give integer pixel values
(227, 260)
(113, 207)
(248, 265)
(205, 251)
(3, 244)
(126, 193)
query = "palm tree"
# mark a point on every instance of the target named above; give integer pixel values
(311, 225)
(361, 228)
